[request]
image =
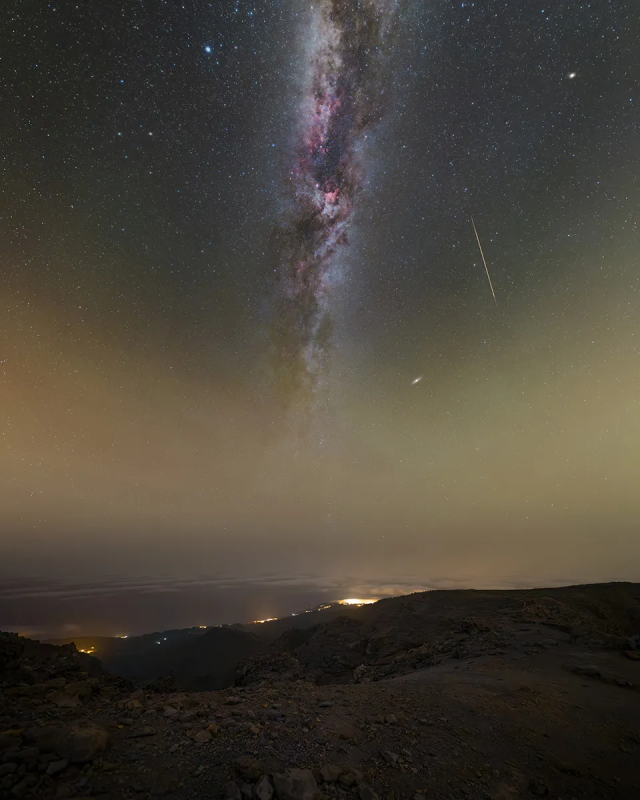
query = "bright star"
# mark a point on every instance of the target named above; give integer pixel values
(207, 49)
(572, 75)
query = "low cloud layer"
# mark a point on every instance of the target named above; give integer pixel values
(144, 604)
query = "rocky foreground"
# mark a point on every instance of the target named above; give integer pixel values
(508, 699)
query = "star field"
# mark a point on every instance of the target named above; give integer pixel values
(160, 219)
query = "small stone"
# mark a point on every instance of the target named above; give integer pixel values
(538, 788)
(170, 711)
(570, 769)
(634, 655)
(330, 773)
(254, 729)
(72, 694)
(22, 788)
(10, 739)
(348, 732)
(8, 769)
(271, 713)
(589, 670)
(233, 701)
(367, 793)
(57, 766)
(325, 704)
(146, 730)
(201, 737)
(295, 784)
(27, 754)
(232, 792)
(350, 778)
(389, 757)
(213, 729)
(246, 790)
(264, 789)
(81, 742)
(248, 768)
(391, 719)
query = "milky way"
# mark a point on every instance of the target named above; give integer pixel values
(346, 98)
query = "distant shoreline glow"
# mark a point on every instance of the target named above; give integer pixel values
(354, 601)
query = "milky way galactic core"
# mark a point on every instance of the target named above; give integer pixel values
(344, 99)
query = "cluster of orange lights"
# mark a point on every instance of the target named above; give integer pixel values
(356, 601)
(349, 601)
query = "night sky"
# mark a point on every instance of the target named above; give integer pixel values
(249, 354)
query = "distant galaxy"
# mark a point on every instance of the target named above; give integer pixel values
(345, 99)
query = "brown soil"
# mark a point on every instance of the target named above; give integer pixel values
(540, 716)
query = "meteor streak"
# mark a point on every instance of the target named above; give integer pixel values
(484, 261)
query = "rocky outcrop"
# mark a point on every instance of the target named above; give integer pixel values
(268, 667)
(402, 634)
(30, 662)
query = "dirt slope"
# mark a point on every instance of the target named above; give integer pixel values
(512, 706)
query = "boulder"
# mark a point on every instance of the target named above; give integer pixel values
(588, 670)
(81, 742)
(296, 784)
(348, 732)
(330, 773)
(264, 789)
(248, 768)
(232, 791)
(72, 694)
(271, 713)
(10, 738)
(57, 766)
(268, 666)
(350, 777)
